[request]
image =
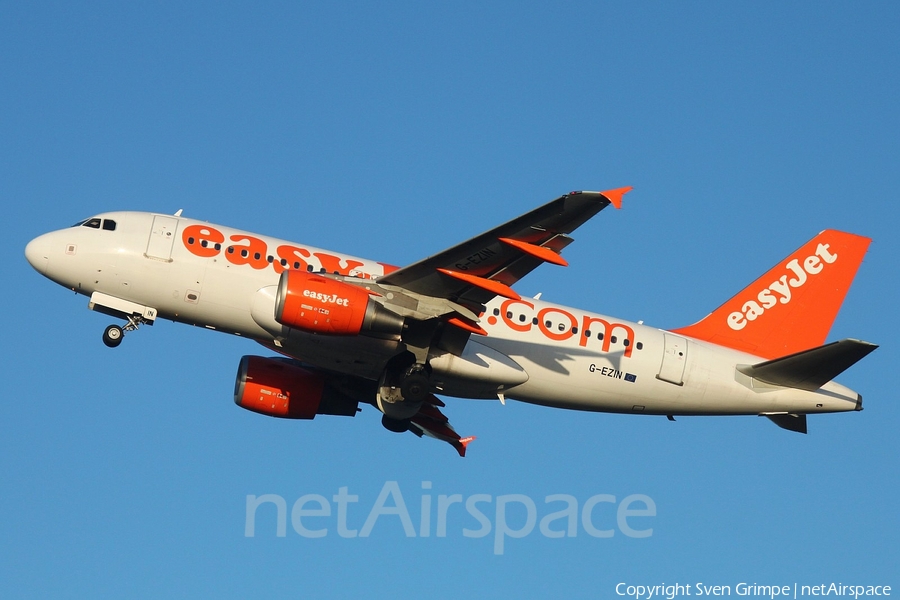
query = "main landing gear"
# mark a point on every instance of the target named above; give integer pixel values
(415, 385)
(113, 335)
(401, 391)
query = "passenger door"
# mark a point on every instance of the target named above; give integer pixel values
(162, 237)
(674, 359)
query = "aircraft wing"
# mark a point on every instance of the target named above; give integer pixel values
(477, 270)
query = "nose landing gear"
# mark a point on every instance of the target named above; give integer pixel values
(135, 314)
(113, 335)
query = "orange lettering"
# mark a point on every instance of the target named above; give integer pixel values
(294, 256)
(608, 329)
(332, 264)
(388, 268)
(202, 240)
(506, 312)
(563, 335)
(253, 254)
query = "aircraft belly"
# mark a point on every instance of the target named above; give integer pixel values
(354, 355)
(574, 378)
(480, 372)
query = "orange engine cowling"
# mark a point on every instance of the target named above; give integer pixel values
(278, 387)
(322, 305)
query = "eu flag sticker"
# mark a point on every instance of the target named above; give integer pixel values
(631, 378)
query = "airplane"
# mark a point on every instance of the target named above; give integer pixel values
(349, 331)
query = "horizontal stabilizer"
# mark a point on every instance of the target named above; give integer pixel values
(790, 422)
(810, 369)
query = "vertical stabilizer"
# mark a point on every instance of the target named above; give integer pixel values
(790, 308)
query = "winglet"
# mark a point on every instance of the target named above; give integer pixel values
(462, 444)
(432, 422)
(615, 196)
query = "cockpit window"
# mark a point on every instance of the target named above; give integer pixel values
(97, 223)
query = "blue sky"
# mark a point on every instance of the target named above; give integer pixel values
(392, 132)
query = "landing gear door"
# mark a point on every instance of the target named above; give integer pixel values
(674, 359)
(162, 237)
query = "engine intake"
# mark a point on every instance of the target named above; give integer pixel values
(322, 305)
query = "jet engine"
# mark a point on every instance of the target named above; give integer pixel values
(320, 304)
(279, 387)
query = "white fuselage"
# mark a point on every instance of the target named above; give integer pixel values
(535, 351)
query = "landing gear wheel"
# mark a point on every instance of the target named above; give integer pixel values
(395, 425)
(113, 335)
(415, 387)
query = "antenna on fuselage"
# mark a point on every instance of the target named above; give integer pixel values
(178, 212)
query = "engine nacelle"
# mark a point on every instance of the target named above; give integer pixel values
(319, 304)
(277, 387)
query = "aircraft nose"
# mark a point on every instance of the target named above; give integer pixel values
(38, 253)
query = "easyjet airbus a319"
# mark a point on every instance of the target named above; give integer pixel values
(353, 331)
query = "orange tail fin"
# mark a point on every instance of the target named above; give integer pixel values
(790, 308)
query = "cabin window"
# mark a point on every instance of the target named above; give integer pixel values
(612, 340)
(639, 345)
(521, 318)
(626, 342)
(244, 253)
